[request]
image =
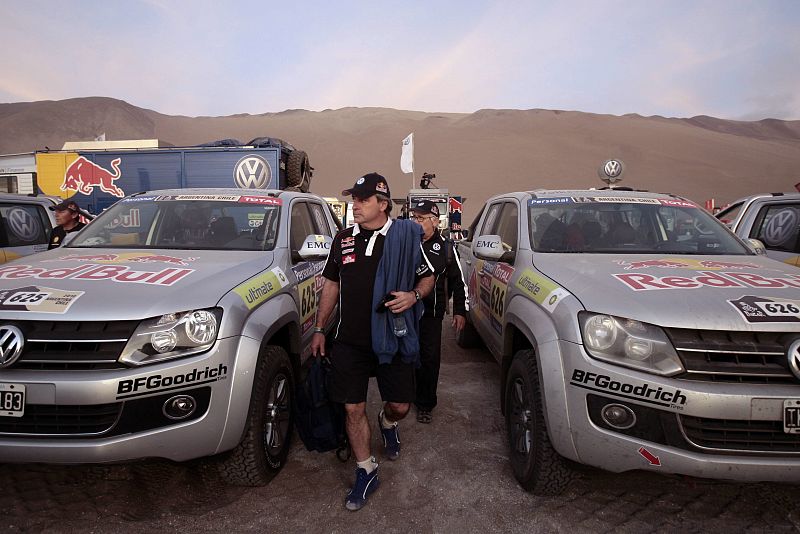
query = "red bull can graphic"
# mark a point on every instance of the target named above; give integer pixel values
(83, 176)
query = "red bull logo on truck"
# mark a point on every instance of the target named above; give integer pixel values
(83, 176)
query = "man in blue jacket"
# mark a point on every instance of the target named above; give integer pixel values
(365, 342)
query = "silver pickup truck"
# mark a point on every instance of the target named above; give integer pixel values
(634, 331)
(172, 326)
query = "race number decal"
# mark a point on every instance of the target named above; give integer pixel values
(494, 280)
(309, 285)
(767, 310)
(38, 299)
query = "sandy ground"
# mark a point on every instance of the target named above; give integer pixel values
(453, 476)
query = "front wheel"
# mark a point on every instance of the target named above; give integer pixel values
(263, 450)
(537, 466)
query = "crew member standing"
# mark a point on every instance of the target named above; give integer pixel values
(375, 271)
(67, 221)
(449, 280)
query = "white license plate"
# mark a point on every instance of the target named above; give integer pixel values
(791, 416)
(12, 400)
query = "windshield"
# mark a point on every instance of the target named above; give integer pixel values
(627, 225)
(185, 222)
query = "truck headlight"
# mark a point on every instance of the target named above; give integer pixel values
(629, 343)
(172, 335)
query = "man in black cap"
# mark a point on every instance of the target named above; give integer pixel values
(67, 219)
(449, 280)
(366, 262)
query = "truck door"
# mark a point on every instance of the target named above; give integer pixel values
(777, 225)
(307, 218)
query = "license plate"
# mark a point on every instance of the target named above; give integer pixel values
(791, 416)
(12, 400)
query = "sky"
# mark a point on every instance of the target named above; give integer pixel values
(730, 59)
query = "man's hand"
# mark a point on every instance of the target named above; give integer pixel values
(458, 322)
(318, 345)
(403, 300)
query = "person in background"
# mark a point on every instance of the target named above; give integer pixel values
(443, 261)
(67, 221)
(375, 272)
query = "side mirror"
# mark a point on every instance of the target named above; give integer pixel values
(757, 246)
(489, 247)
(315, 247)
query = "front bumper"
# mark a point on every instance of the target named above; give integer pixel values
(713, 430)
(116, 415)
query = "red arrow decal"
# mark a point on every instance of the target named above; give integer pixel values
(649, 456)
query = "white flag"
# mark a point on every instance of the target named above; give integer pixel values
(407, 156)
(101, 137)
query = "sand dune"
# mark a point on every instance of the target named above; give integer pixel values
(477, 155)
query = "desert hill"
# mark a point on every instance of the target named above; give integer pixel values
(475, 155)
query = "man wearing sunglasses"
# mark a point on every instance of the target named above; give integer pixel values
(449, 281)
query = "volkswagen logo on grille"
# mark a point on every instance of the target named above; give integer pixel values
(252, 172)
(11, 343)
(794, 357)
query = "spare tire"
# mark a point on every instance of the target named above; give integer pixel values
(298, 170)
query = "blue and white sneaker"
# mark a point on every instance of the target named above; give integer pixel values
(391, 439)
(365, 484)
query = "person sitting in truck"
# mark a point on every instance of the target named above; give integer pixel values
(67, 221)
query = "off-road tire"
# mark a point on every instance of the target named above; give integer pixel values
(298, 171)
(537, 466)
(467, 337)
(267, 438)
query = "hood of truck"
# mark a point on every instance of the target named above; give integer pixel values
(698, 292)
(79, 284)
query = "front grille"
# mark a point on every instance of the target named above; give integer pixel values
(742, 357)
(738, 435)
(51, 420)
(72, 345)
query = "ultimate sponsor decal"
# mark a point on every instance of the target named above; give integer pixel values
(685, 263)
(767, 310)
(132, 257)
(92, 272)
(38, 299)
(541, 289)
(648, 282)
(658, 395)
(157, 383)
(261, 288)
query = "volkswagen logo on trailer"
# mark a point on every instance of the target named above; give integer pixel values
(611, 171)
(252, 172)
(11, 342)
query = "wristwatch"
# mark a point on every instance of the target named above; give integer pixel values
(416, 295)
(319, 330)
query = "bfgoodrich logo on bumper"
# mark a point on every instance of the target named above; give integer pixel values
(643, 392)
(144, 385)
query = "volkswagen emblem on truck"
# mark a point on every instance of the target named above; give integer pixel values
(611, 171)
(793, 353)
(252, 172)
(11, 343)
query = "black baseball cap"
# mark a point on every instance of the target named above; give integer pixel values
(368, 185)
(70, 205)
(425, 207)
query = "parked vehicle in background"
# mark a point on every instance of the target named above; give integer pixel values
(634, 331)
(173, 326)
(25, 225)
(96, 178)
(18, 173)
(772, 218)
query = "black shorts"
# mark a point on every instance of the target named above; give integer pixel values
(352, 367)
